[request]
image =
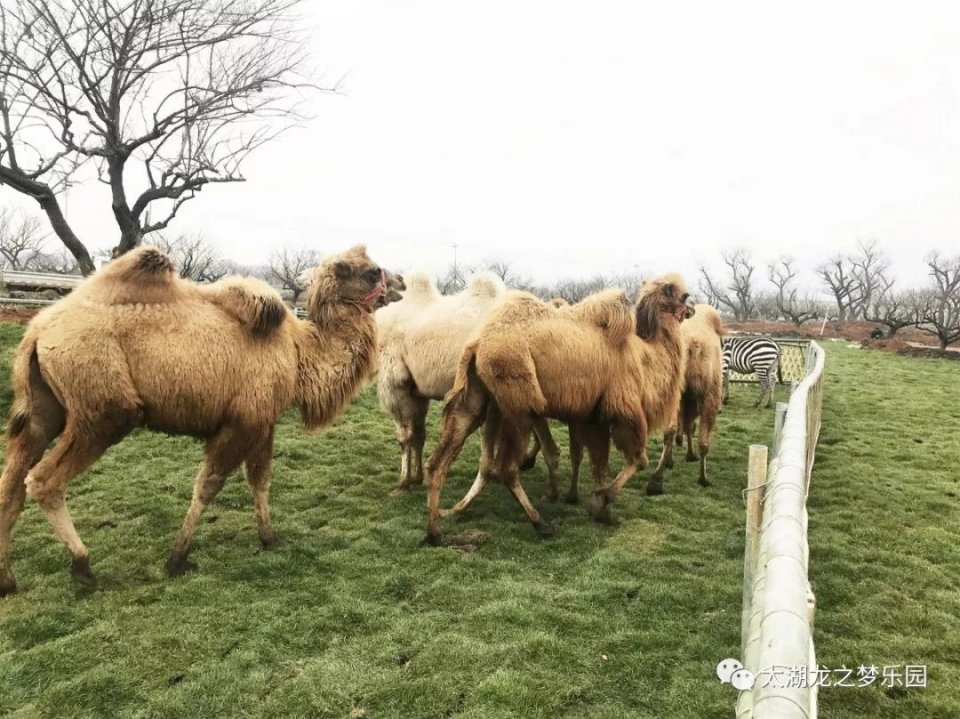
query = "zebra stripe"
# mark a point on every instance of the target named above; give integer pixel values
(748, 355)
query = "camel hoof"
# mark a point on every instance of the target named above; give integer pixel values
(269, 540)
(528, 463)
(552, 496)
(81, 574)
(400, 490)
(600, 509)
(691, 457)
(178, 566)
(703, 482)
(572, 498)
(8, 585)
(433, 539)
(544, 529)
(654, 488)
(446, 512)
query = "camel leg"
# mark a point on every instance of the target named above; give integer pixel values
(726, 388)
(551, 455)
(410, 416)
(631, 440)
(47, 483)
(223, 454)
(655, 484)
(509, 454)
(530, 458)
(576, 459)
(259, 468)
(489, 433)
(27, 438)
(461, 417)
(689, 429)
(706, 428)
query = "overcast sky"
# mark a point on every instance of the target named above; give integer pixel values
(573, 138)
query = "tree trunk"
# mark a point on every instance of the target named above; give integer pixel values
(59, 223)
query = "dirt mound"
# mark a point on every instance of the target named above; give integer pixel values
(893, 344)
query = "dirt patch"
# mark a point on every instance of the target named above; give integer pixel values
(936, 352)
(908, 341)
(17, 315)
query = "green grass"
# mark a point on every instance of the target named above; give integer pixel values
(350, 616)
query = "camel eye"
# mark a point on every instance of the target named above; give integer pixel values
(686, 296)
(372, 275)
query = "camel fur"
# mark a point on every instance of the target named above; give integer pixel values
(701, 396)
(610, 368)
(136, 345)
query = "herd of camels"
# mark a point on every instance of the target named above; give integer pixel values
(137, 346)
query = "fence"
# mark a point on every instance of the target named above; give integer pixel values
(778, 604)
(793, 353)
(43, 280)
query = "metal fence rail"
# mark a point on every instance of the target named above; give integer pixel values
(776, 632)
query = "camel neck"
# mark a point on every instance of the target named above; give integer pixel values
(336, 349)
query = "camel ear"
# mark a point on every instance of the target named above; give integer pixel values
(341, 269)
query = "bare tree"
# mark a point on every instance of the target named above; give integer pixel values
(61, 263)
(735, 293)
(869, 268)
(287, 266)
(195, 257)
(838, 275)
(453, 280)
(21, 239)
(159, 97)
(788, 301)
(940, 308)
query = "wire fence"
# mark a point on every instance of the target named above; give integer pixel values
(778, 603)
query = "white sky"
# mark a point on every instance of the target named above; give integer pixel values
(572, 138)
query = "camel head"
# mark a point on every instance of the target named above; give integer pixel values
(352, 277)
(664, 299)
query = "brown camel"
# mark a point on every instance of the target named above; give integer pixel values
(135, 345)
(613, 370)
(701, 396)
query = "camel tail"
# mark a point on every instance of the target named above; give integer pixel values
(465, 379)
(22, 389)
(33, 400)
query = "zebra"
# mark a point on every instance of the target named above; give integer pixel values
(747, 355)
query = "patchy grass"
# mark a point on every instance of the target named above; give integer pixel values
(350, 616)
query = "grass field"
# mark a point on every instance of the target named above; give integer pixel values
(351, 617)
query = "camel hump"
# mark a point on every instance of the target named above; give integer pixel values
(485, 284)
(420, 285)
(144, 264)
(609, 310)
(253, 302)
(709, 316)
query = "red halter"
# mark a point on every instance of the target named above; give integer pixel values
(377, 292)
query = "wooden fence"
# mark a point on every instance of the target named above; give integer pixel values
(778, 604)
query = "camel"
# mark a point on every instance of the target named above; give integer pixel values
(420, 343)
(612, 369)
(136, 345)
(701, 397)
